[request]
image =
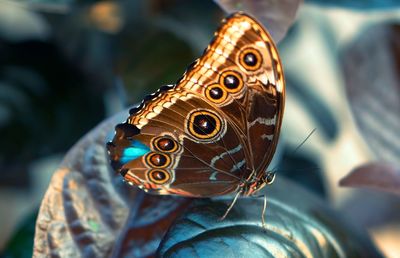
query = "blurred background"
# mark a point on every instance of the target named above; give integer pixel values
(67, 65)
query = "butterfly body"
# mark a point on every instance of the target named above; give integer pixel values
(216, 130)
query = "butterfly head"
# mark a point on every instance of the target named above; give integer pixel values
(250, 187)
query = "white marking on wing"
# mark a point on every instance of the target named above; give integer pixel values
(268, 136)
(263, 78)
(264, 121)
(213, 176)
(234, 150)
(238, 165)
(214, 160)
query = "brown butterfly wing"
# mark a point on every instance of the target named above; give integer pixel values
(178, 157)
(243, 49)
(222, 119)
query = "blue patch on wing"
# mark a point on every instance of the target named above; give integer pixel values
(136, 150)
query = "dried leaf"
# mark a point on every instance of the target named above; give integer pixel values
(381, 176)
(18, 23)
(194, 22)
(88, 211)
(361, 4)
(277, 16)
(372, 75)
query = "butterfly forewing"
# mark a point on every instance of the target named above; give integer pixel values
(217, 128)
(242, 48)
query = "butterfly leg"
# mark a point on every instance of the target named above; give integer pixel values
(264, 225)
(231, 206)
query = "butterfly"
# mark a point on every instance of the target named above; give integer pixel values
(216, 130)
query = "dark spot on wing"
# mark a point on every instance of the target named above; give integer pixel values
(127, 130)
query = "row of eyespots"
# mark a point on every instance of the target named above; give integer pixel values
(159, 160)
(232, 81)
(229, 82)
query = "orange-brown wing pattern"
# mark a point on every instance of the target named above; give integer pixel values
(241, 73)
(167, 152)
(216, 128)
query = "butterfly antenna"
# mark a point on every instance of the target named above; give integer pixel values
(231, 206)
(298, 147)
(301, 144)
(312, 169)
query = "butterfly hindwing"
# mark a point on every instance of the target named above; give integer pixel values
(179, 157)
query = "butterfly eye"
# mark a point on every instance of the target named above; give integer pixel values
(204, 125)
(250, 59)
(165, 144)
(215, 93)
(158, 160)
(158, 176)
(232, 81)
